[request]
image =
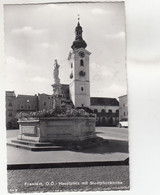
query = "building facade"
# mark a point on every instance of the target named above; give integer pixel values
(123, 108)
(79, 64)
(11, 109)
(16, 104)
(27, 103)
(106, 109)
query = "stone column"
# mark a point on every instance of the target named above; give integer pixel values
(57, 92)
(57, 96)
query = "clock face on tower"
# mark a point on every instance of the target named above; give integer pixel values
(81, 54)
(82, 73)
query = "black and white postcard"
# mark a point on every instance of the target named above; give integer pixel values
(66, 97)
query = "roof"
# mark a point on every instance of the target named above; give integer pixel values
(27, 96)
(104, 101)
(122, 96)
(78, 42)
(43, 94)
(10, 93)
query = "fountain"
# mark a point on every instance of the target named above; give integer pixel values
(56, 126)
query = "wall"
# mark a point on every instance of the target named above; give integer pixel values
(27, 103)
(123, 107)
(11, 107)
(44, 101)
(106, 108)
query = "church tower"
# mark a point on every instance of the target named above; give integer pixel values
(79, 70)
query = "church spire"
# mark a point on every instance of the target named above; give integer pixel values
(78, 42)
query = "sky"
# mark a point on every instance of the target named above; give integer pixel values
(35, 35)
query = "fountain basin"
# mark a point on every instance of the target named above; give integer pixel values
(53, 129)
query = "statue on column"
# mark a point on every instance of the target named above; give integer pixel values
(56, 72)
(57, 93)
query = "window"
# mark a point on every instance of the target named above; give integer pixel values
(82, 105)
(110, 111)
(82, 89)
(44, 103)
(71, 65)
(71, 75)
(81, 63)
(22, 106)
(95, 110)
(123, 104)
(29, 107)
(103, 111)
(10, 114)
(124, 113)
(10, 104)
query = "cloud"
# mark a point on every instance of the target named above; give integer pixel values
(147, 60)
(12, 62)
(25, 77)
(51, 7)
(44, 45)
(119, 35)
(14, 70)
(38, 79)
(98, 71)
(98, 11)
(107, 80)
(19, 67)
(27, 30)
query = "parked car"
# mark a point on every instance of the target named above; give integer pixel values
(123, 123)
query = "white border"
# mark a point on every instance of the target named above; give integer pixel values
(144, 99)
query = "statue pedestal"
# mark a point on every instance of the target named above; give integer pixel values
(57, 96)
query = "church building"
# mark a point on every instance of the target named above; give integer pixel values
(79, 64)
(106, 109)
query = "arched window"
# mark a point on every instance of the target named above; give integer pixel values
(71, 75)
(110, 111)
(81, 63)
(103, 111)
(95, 110)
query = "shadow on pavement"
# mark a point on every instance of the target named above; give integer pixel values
(107, 146)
